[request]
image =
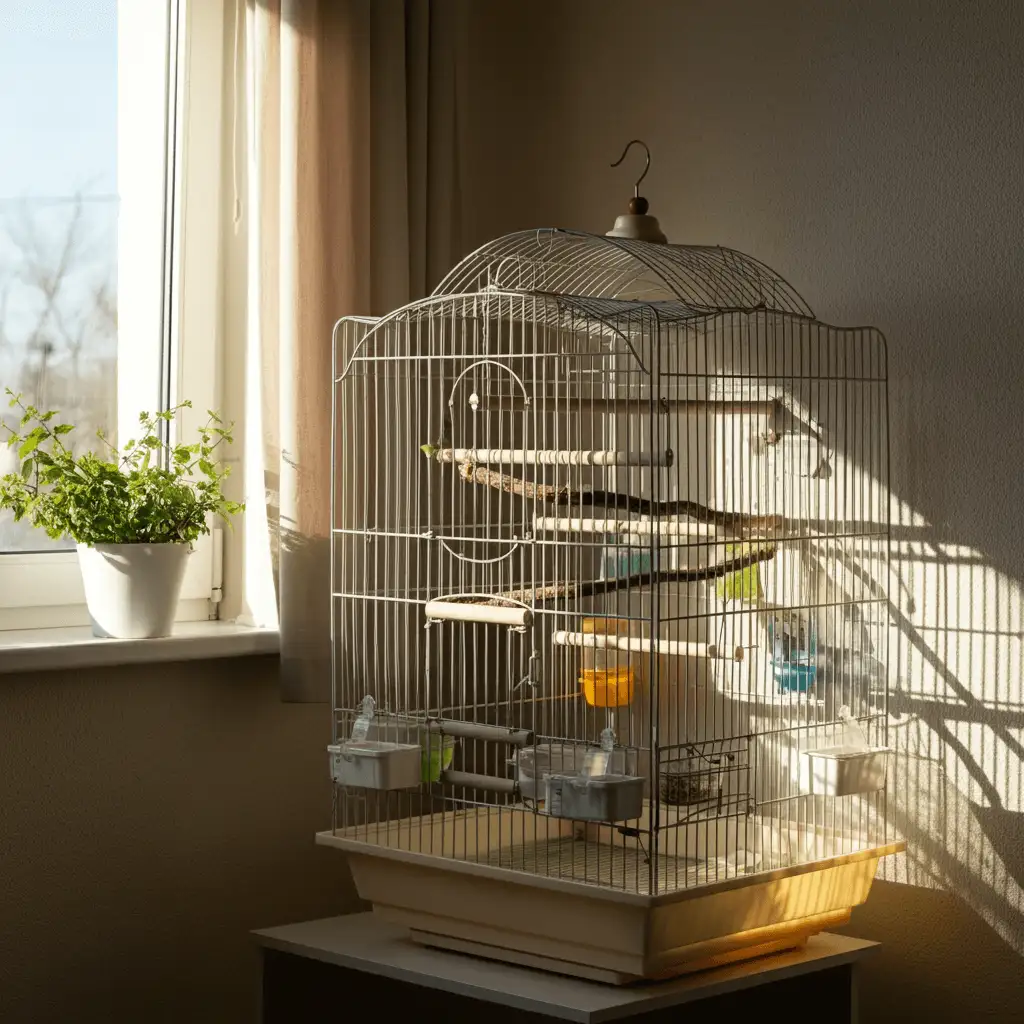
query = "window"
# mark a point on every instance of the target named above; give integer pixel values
(109, 215)
(58, 217)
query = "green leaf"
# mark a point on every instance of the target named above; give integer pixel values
(31, 442)
(26, 469)
(63, 428)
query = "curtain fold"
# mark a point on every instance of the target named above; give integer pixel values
(353, 195)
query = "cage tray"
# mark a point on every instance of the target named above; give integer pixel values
(522, 887)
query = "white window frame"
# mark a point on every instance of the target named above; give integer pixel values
(170, 256)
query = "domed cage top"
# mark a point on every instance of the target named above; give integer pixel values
(562, 262)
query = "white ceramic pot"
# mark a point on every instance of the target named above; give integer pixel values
(132, 590)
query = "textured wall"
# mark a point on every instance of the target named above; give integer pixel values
(149, 818)
(872, 152)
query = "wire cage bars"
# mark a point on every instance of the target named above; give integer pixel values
(610, 539)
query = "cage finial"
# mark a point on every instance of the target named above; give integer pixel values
(637, 223)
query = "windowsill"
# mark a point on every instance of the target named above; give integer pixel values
(31, 650)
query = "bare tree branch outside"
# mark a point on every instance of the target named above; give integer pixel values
(58, 320)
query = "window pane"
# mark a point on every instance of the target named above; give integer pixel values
(58, 219)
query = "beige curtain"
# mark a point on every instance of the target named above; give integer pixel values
(353, 197)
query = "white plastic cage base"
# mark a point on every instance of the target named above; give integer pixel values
(554, 894)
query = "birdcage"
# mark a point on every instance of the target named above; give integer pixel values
(610, 543)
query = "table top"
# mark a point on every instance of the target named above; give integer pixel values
(363, 942)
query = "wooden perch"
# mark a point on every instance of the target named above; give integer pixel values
(735, 522)
(644, 645)
(590, 588)
(547, 456)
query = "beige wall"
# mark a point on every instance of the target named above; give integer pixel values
(872, 152)
(149, 818)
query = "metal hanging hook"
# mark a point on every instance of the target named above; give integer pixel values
(647, 166)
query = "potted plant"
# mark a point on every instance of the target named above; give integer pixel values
(133, 512)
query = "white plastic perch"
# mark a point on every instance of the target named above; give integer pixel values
(644, 645)
(548, 457)
(633, 527)
(465, 611)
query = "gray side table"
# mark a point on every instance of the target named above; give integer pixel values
(364, 965)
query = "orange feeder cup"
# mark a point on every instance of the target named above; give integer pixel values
(607, 677)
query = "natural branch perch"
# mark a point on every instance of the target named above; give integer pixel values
(735, 522)
(590, 588)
